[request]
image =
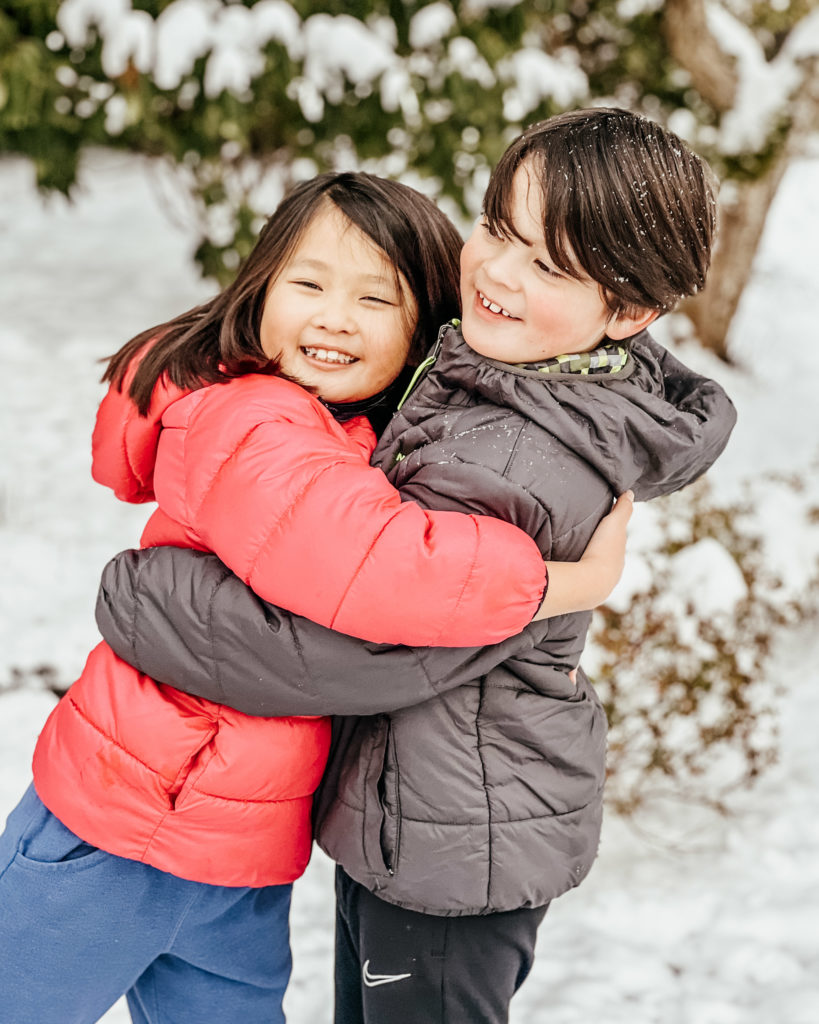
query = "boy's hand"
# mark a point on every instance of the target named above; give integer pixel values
(607, 546)
(581, 586)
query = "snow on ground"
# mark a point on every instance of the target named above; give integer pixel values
(687, 918)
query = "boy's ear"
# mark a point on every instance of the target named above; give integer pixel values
(624, 325)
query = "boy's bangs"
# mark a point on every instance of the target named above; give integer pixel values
(555, 191)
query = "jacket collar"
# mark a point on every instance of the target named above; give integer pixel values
(654, 426)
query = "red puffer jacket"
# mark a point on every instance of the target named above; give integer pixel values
(259, 472)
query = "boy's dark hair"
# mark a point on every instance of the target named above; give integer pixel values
(625, 202)
(220, 339)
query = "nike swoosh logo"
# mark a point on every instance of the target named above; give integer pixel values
(374, 980)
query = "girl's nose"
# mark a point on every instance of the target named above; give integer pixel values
(335, 315)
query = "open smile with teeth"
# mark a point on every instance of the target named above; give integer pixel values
(328, 355)
(493, 307)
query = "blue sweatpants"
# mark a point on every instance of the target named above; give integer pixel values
(79, 927)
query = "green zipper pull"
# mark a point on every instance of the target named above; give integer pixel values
(423, 367)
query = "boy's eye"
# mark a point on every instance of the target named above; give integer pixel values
(547, 270)
(492, 232)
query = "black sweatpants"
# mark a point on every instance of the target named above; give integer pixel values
(395, 966)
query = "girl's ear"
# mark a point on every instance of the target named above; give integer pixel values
(624, 325)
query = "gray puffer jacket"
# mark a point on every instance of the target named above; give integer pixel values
(479, 786)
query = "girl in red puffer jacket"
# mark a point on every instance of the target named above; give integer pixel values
(155, 852)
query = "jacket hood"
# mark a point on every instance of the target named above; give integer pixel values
(124, 444)
(653, 428)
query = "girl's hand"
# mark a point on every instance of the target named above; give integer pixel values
(581, 586)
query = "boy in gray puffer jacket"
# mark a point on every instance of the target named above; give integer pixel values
(474, 796)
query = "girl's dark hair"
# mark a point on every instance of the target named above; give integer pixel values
(625, 202)
(220, 339)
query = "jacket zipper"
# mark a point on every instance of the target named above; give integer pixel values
(423, 368)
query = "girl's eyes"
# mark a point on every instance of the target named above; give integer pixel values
(314, 286)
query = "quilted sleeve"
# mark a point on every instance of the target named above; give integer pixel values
(278, 492)
(182, 618)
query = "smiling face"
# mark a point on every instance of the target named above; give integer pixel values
(338, 317)
(517, 306)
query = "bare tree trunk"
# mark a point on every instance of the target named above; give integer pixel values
(744, 205)
(692, 46)
(742, 220)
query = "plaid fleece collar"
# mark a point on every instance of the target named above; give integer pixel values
(606, 359)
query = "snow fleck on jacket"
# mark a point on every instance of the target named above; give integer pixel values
(259, 472)
(479, 788)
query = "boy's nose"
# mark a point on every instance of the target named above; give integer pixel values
(502, 267)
